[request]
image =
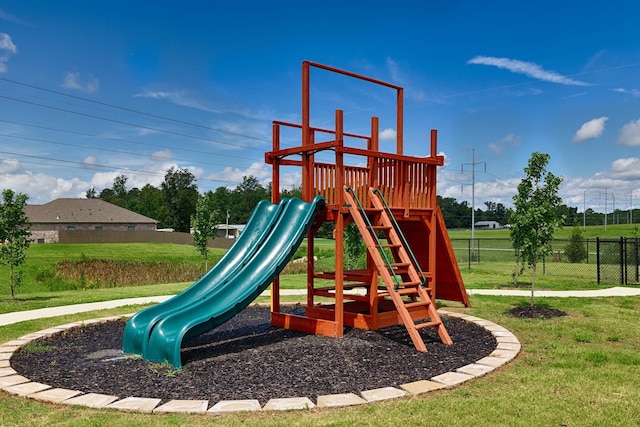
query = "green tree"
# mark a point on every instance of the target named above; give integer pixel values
(576, 250)
(146, 201)
(294, 191)
(204, 224)
(456, 215)
(354, 248)
(14, 235)
(118, 194)
(91, 193)
(245, 198)
(535, 218)
(180, 196)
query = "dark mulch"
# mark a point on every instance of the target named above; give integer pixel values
(247, 358)
(536, 312)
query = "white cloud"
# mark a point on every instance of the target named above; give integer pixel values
(630, 134)
(92, 162)
(617, 183)
(162, 155)
(259, 170)
(40, 187)
(387, 135)
(5, 16)
(511, 140)
(634, 92)
(7, 48)
(7, 44)
(72, 81)
(10, 166)
(591, 129)
(527, 68)
(178, 97)
(393, 68)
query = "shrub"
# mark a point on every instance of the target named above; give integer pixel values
(576, 250)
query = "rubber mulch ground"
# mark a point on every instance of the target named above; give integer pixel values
(247, 358)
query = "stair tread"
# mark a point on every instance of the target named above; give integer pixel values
(428, 324)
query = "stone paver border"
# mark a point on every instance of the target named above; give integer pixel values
(12, 382)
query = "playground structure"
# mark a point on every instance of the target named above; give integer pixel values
(393, 195)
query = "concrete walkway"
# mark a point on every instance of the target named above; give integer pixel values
(21, 316)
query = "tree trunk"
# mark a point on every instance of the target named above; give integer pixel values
(11, 284)
(533, 280)
(516, 273)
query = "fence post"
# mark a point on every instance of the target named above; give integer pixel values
(636, 259)
(623, 262)
(587, 250)
(469, 250)
(598, 257)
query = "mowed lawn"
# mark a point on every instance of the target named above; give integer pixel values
(579, 370)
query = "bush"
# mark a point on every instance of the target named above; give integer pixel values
(576, 250)
(101, 273)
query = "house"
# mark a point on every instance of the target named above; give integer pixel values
(82, 215)
(487, 225)
(229, 231)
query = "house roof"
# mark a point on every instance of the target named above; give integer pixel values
(238, 227)
(486, 222)
(83, 211)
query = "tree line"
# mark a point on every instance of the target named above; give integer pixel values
(173, 203)
(458, 214)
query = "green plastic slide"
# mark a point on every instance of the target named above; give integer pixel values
(277, 232)
(139, 327)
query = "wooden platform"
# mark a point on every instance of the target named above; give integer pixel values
(407, 184)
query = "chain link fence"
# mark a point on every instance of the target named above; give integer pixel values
(605, 261)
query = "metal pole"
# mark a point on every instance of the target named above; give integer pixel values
(584, 210)
(473, 192)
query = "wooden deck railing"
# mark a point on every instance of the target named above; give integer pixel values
(403, 180)
(402, 183)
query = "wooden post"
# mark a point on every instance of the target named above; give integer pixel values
(399, 120)
(307, 169)
(372, 161)
(432, 204)
(339, 195)
(275, 198)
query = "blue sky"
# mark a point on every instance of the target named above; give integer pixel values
(92, 90)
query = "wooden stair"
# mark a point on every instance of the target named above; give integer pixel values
(404, 281)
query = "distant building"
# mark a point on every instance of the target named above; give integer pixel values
(229, 231)
(82, 215)
(487, 225)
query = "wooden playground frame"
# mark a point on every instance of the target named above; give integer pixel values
(407, 184)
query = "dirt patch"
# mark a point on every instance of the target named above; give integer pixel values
(247, 358)
(536, 312)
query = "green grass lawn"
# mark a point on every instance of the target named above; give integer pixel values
(582, 369)
(35, 293)
(590, 232)
(578, 370)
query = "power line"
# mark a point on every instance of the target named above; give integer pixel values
(113, 139)
(80, 165)
(127, 123)
(131, 110)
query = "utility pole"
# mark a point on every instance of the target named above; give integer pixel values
(584, 210)
(605, 208)
(227, 233)
(473, 191)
